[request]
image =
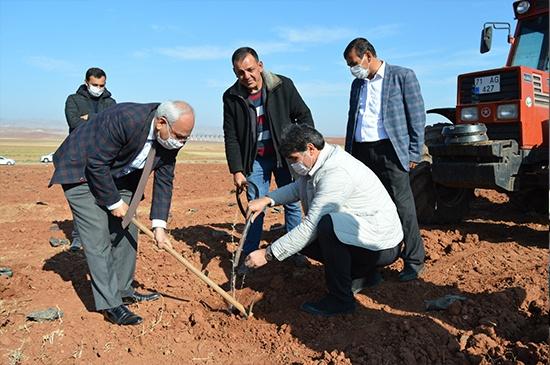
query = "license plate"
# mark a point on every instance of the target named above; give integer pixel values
(487, 84)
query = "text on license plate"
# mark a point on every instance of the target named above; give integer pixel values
(487, 84)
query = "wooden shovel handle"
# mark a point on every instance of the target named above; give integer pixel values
(194, 270)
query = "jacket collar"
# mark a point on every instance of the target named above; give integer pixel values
(324, 155)
(271, 82)
(386, 89)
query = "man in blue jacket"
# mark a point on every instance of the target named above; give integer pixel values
(385, 131)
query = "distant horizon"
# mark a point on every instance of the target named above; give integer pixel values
(7, 132)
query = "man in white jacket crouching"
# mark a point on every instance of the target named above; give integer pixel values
(351, 224)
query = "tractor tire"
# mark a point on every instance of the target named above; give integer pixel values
(423, 192)
(437, 204)
(452, 204)
(433, 134)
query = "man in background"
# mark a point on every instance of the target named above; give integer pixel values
(91, 98)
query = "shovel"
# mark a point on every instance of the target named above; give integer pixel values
(237, 256)
(194, 270)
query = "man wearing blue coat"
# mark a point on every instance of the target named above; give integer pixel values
(100, 166)
(385, 131)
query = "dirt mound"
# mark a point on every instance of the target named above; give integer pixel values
(497, 260)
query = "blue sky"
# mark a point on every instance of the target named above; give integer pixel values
(161, 50)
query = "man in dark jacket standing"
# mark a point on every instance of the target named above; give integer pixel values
(91, 98)
(256, 108)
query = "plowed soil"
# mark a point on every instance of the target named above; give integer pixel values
(497, 259)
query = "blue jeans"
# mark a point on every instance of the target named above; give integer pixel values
(262, 169)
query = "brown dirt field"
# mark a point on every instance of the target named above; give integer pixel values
(497, 259)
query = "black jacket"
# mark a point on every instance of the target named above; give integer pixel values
(82, 103)
(282, 104)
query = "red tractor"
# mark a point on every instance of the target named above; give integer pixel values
(498, 138)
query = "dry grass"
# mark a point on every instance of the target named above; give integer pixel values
(50, 338)
(24, 151)
(16, 356)
(155, 322)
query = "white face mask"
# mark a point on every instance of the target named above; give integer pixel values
(359, 71)
(300, 168)
(170, 144)
(95, 90)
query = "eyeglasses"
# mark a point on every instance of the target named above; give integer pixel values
(182, 139)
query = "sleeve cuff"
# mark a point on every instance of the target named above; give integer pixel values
(116, 205)
(279, 253)
(158, 223)
(271, 202)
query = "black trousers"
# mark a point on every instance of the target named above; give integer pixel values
(344, 262)
(381, 158)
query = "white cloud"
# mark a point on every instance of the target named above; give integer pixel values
(197, 52)
(445, 63)
(396, 54)
(50, 64)
(286, 67)
(269, 47)
(320, 88)
(142, 53)
(314, 34)
(219, 84)
(290, 40)
(382, 31)
(210, 52)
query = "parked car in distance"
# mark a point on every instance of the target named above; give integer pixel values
(47, 158)
(6, 161)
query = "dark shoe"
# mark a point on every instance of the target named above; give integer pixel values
(369, 281)
(411, 272)
(76, 245)
(299, 260)
(137, 297)
(122, 316)
(243, 270)
(328, 306)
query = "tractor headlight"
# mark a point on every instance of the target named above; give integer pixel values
(522, 7)
(469, 114)
(507, 111)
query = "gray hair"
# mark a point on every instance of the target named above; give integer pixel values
(173, 110)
